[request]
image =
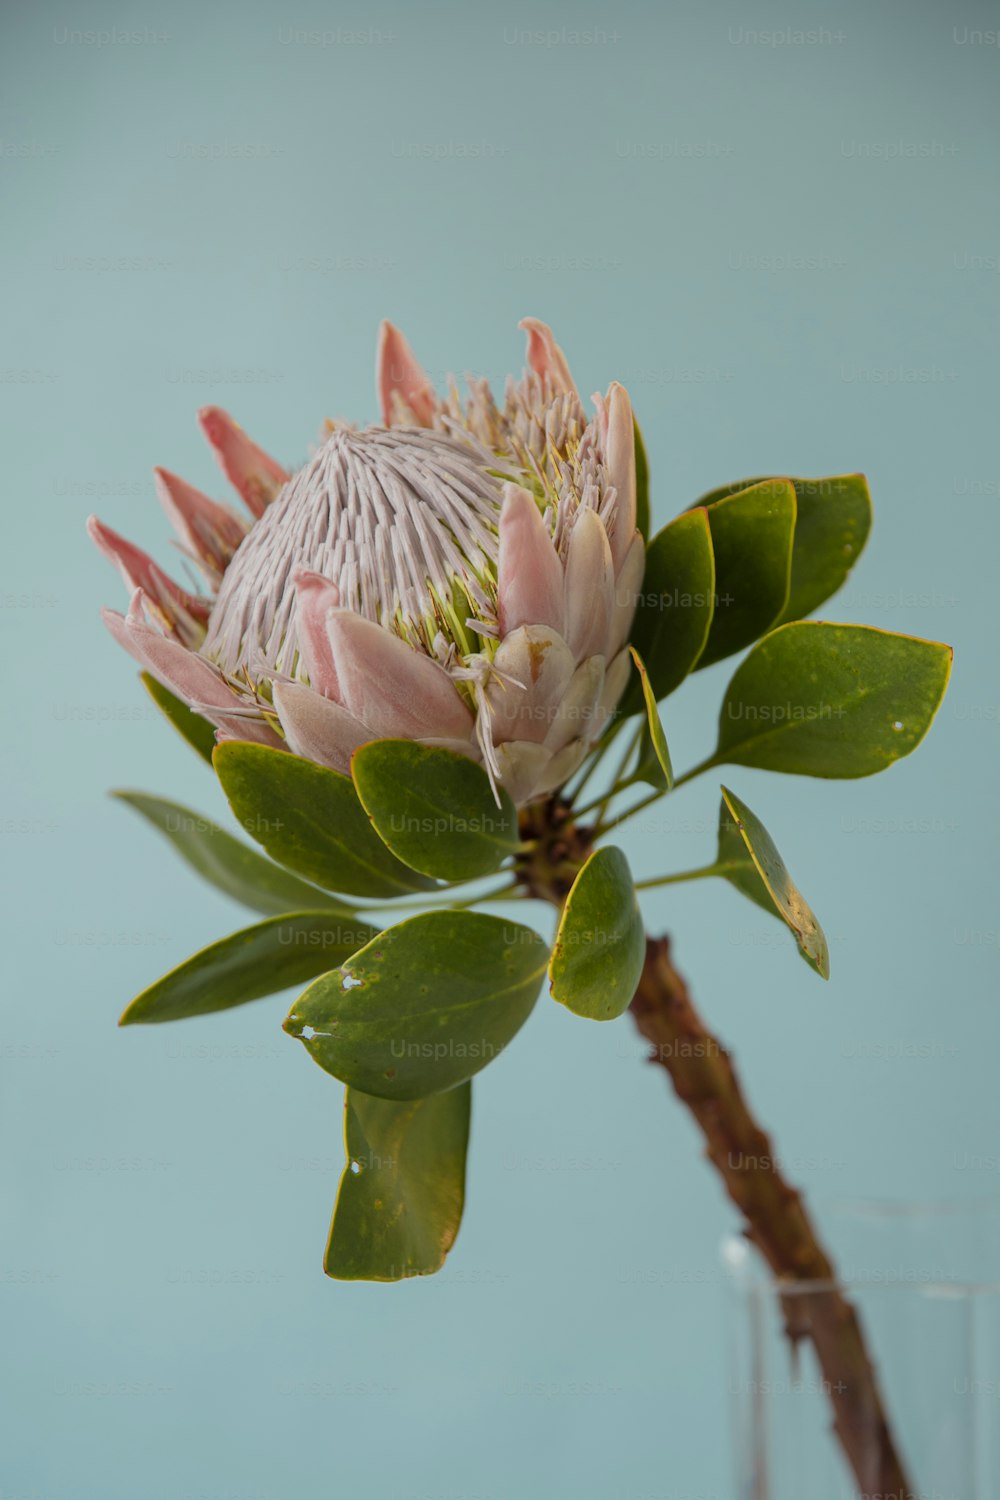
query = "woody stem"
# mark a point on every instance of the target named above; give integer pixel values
(776, 1219)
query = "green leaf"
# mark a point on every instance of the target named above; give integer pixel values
(250, 964)
(600, 946)
(642, 511)
(401, 1196)
(310, 819)
(227, 863)
(752, 536)
(834, 519)
(749, 860)
(198, 732)
(675, 607)
(654, 756)
(425, 1006)
(723, 491)
(813, 699)
(434, 809)
(832, 525)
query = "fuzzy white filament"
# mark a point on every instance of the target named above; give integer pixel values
(391, 516)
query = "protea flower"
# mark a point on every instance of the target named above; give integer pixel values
(464, 575)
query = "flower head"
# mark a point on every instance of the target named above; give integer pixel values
(464, 574)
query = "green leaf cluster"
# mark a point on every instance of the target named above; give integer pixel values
(407, 1013)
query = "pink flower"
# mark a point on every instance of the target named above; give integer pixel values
(464, 575)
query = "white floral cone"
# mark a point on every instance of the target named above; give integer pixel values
(464, 575)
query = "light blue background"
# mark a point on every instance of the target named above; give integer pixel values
(775, 247)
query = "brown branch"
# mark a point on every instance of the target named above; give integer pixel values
(777, 1221)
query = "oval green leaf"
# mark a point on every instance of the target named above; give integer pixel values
(198, 732)
(425, 1006)
(227, 863)
(434, 809)
(749, 860)
(675, 606)
(654, 755)
(252, 963)
(752, 534)
(401, 1196)
(600, 946)
(834, 517)
(310, 820)
(814, 699)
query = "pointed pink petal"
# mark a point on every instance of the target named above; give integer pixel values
(239, 732)
(529, 573)
(256, 477)
(399, 378)
(619, 460)
(545, 356)
(183, 614)
(186, 674)
(559, 769)
(119, 626)
(601, 420)
(628, 585)
(316, 728)
(212, 532)
(590, 584)
(252, 731)
(246, 731)
(576, 715)
(541, 666)
(523, 764)
(390, 686)
(182, 671)
(529, 771)
(615, 680)
(315, 596)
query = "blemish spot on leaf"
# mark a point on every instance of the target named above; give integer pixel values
(898, 725)
(398, 1217)
(755, 867)
(306, 1033)
(437, 998)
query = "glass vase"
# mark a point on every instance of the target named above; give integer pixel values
(924, 1280)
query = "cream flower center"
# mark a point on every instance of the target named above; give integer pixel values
(402, 520)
